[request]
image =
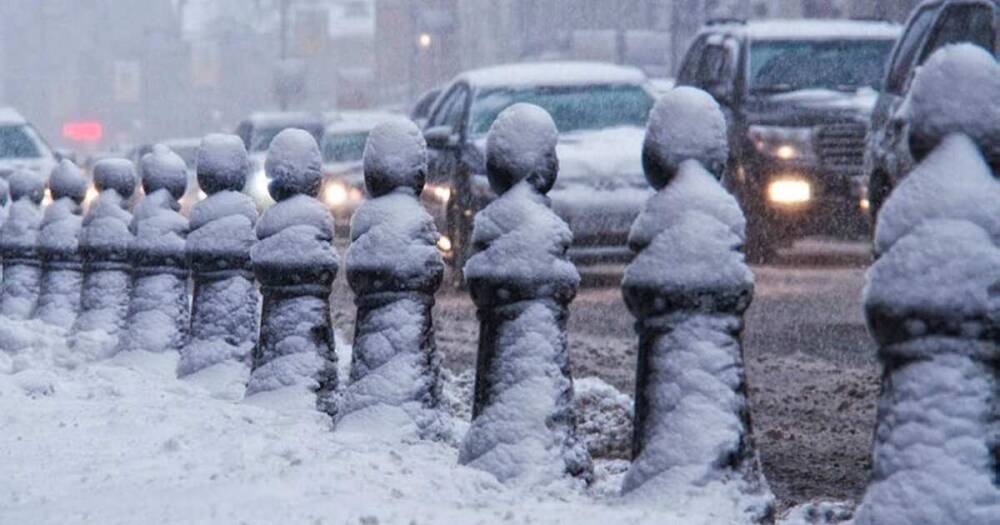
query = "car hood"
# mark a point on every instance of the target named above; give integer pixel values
(806, 107)
(605, 159)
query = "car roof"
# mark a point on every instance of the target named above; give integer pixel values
(284, 119)
(801, 29)
(552, 74)
(10, 116)
(359, 121)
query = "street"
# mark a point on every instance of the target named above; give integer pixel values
(812, 373)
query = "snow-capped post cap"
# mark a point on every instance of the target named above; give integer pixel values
(115, 174)
(222, 163)
(521, 145)
(162, 169)
(293, 164)
(67, 180)
(686, 123)
(24, 184)
(395, 157)
(955, 91)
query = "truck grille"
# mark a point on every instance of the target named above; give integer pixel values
(842, 146)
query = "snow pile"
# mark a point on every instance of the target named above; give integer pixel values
(104, 243)
(158, 311)
(125, 441)
(295, 262)
(22, 270)
(225, 306)
(685, 124)
(58, 246)
(524, 428)
(688, 286)
(932, 303)
(603, 418)
(938, 105)
(394, 268)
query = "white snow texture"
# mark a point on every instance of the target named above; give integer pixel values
(685, 124)
(22, 270)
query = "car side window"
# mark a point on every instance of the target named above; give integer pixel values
(906, 51)
(712, 69)
(971, 23)
(689, 68)
(451, 109)
(442, 109)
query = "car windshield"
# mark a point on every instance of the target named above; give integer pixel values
(17, 142)
(344, 147)
(787, 65)
(262, 137)
(572, 107)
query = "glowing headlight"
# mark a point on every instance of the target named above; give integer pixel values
(440, 193)
(444, 244)
(783, 143)
(789, 191)
(47, 199)
(335, 194)
(91, 195)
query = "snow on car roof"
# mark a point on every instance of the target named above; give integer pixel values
(11, 116)
(284, 118)
(799, 29)
(552, 74)
(358, 121)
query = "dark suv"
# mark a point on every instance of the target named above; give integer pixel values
(932, 25)
(797, 96)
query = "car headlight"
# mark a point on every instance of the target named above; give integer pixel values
(783, 143)
(335, 194)
(441, 194)
(789, 190)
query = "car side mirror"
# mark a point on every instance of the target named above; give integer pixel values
(441, 137)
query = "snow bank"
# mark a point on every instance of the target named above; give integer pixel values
(685, 124)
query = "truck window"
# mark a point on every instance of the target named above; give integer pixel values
(962, 23)
(906, 51)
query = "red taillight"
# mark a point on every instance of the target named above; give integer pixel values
(90, 131)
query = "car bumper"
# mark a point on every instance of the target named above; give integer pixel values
(836, 206)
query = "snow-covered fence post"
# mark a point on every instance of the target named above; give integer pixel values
(58, 247)
(523, 427)
(107, 273)
(932, 302)
(295, 262)
(394, 268)
(157, 319)
(22, 272)
(225, 309)
(688, 288)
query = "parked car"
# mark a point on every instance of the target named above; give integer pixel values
(797, 96)
(932, 24)
(343, 146)
(257, 131)
(22, 147)
(600, 111)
